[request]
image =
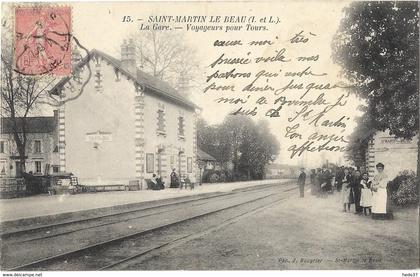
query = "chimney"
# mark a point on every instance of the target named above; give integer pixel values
(128, 56)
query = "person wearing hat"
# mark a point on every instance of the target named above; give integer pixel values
(379, 197)
(301, 182)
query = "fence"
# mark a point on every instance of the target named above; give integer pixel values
(12, 188)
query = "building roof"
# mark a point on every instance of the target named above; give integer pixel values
(152, 84)
(204, 156)
(39, 124)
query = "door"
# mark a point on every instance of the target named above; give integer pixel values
(18, 169)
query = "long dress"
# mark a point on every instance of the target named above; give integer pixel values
(154, 184)
(366, 197)
(174, 180)
(346, 190)
(357, 193)
(327, 180)
(379, 197)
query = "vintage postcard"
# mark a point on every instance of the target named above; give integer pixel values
(228, 135)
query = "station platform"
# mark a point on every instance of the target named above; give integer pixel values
(41, 206)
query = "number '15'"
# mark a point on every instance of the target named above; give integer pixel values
(127, 18)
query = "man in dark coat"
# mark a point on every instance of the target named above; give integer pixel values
(357, 191)
(301, 182)
(318, 181)
(339, 178)
(327, 180)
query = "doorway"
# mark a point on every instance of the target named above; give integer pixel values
(19, 171)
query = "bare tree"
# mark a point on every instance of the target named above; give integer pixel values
(22, 94)
(167, 56)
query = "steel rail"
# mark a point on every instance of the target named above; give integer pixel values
(119, 214)
(60, 224)
(48, 260)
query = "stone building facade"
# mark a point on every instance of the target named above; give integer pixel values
(126, 125)
(395, 153)
(41, 147)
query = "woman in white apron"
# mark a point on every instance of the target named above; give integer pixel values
(379, 196)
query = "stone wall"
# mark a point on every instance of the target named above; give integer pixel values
(12, 188)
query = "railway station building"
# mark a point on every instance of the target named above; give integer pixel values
(396, 154)
(126, 124)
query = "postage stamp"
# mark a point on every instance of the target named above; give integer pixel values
(43, 40)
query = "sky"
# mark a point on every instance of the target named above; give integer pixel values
(100, 26)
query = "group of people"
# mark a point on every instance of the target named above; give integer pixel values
(180, 182)
(369, 195)
(156, 182)
(321, 180)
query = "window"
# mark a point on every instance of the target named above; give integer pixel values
(3, 168)
(189, 165)
(161, 121)
(150, 163)
(37, 146)
(37, 167)
(181, 126)
(1, 146)
(55, 168)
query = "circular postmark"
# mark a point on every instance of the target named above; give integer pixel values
(43, 40)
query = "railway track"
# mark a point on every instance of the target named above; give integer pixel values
(97, 221)
(155, 250)
(83, 257)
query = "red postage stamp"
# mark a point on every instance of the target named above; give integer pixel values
(43, 40)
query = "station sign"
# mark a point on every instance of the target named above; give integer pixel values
(98, 137)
